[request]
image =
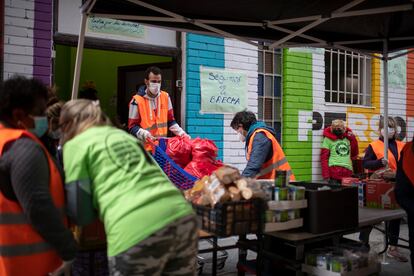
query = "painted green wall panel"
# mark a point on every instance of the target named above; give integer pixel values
(297, 87)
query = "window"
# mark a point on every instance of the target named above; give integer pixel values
(270, 89)
(347, 78)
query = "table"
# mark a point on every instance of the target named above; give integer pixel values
(297, 239)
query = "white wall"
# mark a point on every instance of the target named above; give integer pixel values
(18, 38)
(242, 57)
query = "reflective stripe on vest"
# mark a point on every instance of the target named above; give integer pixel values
(408, 161)
(277, 162)
(156, 122)
(21, 246)
(18, 218)
(24, 249)
(378, 148)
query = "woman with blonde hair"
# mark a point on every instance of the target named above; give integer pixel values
(339, 148)
(150, 228)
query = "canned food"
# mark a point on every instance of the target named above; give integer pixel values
(311, 259)
(281, 216)
(281, 179)
(281, 194)
(339, 264)
(269, 216)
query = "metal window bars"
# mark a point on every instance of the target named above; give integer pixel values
(270, 76)
(349, 78)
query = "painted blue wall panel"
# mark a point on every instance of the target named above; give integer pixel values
(202, 51)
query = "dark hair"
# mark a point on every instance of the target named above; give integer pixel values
(89, 94)
(20, 92)
(244, 118)
(153, 69)
(89, 91)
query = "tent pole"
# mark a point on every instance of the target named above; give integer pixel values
(79, 55)
(385, 67)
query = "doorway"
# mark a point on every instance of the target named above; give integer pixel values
(131, 77)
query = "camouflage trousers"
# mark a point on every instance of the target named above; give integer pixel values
(170, 251)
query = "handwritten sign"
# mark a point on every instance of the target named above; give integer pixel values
(222, 91)
(397, 72)
(116, 27)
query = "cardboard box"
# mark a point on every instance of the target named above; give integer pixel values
(380, 194)
(349, 181)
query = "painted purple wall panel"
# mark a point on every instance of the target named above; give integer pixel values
(42, 61)
(43, 70)
(44, 16)
(44, 1)
(42, 43)
(44, 79)
(42, 58)
(42, 25)
(42, 7)
(42, 52)
(42, 34)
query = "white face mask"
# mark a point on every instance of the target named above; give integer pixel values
(242, 138)
(391, 133)
(154, 88)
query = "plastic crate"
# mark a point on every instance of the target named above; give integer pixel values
(182, 179)
(232, 218)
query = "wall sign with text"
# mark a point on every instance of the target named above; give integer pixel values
(222, 91)
(116, 27)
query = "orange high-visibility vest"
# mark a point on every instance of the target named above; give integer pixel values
(278, 160)
(155, 121)
(378, 147)
(22, 250)
(408, 162)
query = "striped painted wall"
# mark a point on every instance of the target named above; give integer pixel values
(28, 39)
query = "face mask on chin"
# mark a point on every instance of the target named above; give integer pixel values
(41, 125)
(154, 89)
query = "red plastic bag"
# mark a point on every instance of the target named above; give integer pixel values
(204, 149)
(202, 168)
(179, 149)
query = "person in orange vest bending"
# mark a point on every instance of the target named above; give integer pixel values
(404, 190)
(374, 160)
(34, 238)
(263, 152)
(151, 113)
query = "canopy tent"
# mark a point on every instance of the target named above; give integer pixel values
(363, 26)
